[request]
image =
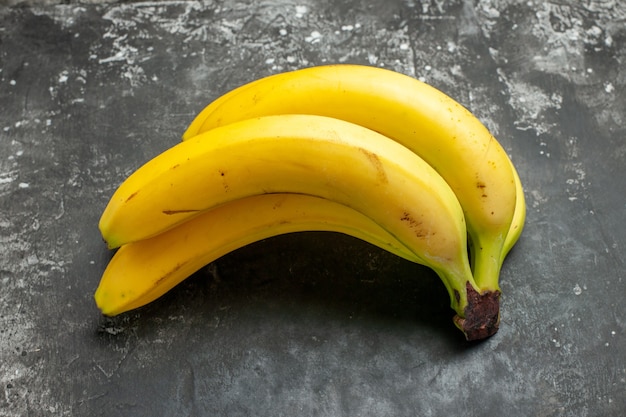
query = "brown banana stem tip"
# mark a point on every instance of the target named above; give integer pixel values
(482, 314)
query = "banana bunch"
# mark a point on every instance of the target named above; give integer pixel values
(353, 149)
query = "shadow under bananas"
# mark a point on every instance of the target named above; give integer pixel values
(306, 278)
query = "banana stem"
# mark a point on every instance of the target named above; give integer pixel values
(477, 312)
(486, 257)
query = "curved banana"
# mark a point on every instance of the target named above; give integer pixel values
(312, 155)
(420, 117)
(168, 258)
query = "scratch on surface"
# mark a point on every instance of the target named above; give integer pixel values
(105, 373)
(61, 211)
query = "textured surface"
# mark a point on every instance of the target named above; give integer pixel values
(309, 324)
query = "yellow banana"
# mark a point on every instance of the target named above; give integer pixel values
(317, 156)
(142, 271)
(414, 114)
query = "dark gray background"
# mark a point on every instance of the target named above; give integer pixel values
(313, 324)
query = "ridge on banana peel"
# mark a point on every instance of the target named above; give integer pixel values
(317, 156)
(420, 117)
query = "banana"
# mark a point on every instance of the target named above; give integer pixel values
(165, 260)
(317, 156)
(420, 117)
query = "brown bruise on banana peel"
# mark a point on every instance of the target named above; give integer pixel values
(378, 166)
(173, 212)
(130, 197)
(482, 186)
(482, 314)
(415, 225)
(169, 273)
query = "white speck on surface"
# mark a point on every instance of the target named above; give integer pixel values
(347, 28)
(282, 32)
(134, 74)
(594, 31)
(301, 11)
(12, 82)
(119, 56)
(609, 88)
(404, 46)
(6, 177)
(32, 260)
(63, 77)
(314, 37)
(577, 290)
(23, 185)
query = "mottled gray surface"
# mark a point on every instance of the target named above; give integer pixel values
(310, 324)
